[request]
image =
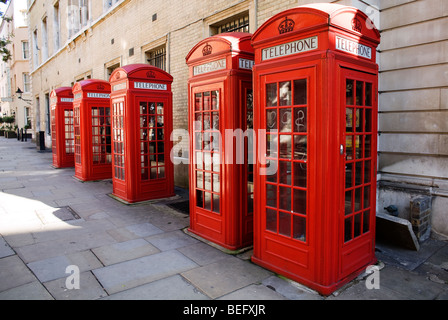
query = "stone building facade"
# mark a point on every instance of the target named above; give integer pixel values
(71, 40)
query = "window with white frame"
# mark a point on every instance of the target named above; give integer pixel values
(78, 16)
(25, 50)
(26, 82)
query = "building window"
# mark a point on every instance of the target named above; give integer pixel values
(107, 4)
(56, 24)
(157, 57)
(35, 50)
(26, 82)
(239, 23)
(25, 50)
(78, 15)
(111, 69)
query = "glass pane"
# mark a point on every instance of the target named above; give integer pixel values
(300, 174)
(216, 183)
(206, 121)
(160, 108)
(216, 203)
(199, 179)
(152, 108)
(368, 120)
(285, 198)
(198, 102)
(300, 148)
(366, 197)
(271, 145)
(161, 172)
(271, 94)
(271, 119)
(300, 91)
(284, 224)
(199, 199)
(368, 97)
(208, 201)
(285, 172)
(215, 100)
(300, 120)
(358, 173)
(349, 147)
(273, 176)
(143, 107)
(367, 146)
(271, 195)
(215, 121)
(367, 173)
(358, 199)
(357, 226)
(299, 228)
(349, 91)
(348, 229)
(271, 220)
(348, 175)
(285, 146)
(359, 120)
(299, 201)
(285, 120)
(349, 119)
(199, 163)
(348, 202)
(359, 90)
(206, 100)
(208, 181)
(285, 93)
(366, 222)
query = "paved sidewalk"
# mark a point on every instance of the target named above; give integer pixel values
(52, 225)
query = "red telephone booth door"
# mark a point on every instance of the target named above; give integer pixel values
(357, 208)
(289, 104)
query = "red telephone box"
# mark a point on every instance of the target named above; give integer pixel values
(142, 123)
(91, 110)
(316, 112)
(220, 99)
(62, 134)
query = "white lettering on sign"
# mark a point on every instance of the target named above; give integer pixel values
(246, 64)
(209, 67)
(286, 49)
(66, 99)
(353, 47)
(98, 95)
(150, 86)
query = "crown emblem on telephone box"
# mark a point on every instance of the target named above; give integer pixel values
(286, 25)
(207, 50)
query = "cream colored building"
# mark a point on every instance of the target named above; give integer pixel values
(73, 40)
(15, 72)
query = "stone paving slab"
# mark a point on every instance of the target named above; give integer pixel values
(225, 276)
(133, 273)
(55, 268)
(30, 291)
(203, 254)
(250, 292)
(123, 251)
(14, 273)
(170, 288)
(89, 288)
(5, 249)
(171, 240)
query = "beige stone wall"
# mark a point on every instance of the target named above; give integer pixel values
(413, 119)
